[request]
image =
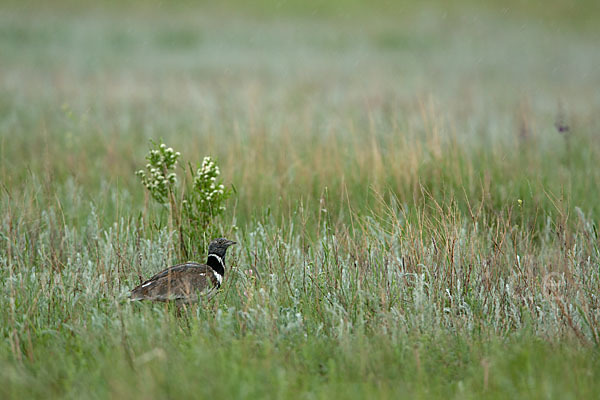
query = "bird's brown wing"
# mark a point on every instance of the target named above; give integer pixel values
(184, 282)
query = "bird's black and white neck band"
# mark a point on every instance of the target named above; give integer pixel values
(218, 266)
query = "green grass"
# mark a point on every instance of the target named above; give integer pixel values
(410, 222)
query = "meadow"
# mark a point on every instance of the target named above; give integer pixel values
(415, 198)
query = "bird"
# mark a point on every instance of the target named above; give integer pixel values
(187, 282)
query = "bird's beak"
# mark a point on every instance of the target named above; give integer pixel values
(231, 242)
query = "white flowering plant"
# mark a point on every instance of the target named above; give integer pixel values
(158, 177)
(207, 198)
(192, 201)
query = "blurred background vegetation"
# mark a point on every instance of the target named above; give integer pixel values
(462, 99)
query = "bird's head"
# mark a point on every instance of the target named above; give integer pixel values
(219, 246)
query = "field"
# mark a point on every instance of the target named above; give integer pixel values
(415, 198)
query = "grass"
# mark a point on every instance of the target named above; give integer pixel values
(411, 222)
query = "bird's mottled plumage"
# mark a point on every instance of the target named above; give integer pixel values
(185, 283)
